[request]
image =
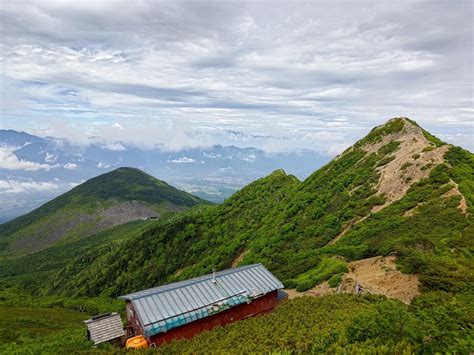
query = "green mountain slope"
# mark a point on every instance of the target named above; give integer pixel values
(32, 270)
(114, 198)
(397, 190)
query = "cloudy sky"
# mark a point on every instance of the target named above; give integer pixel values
(275, 75)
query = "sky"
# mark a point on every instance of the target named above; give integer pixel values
(276, 75)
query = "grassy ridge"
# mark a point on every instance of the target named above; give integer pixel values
(287, 225)
(203, 238)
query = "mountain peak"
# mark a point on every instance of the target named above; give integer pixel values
(397, 128)
(117, 197)
(406, 154)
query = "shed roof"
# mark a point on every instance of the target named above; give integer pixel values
(105, 327)
(165, 307)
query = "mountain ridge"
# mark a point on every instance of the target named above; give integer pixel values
(113, 198)
(306, 231)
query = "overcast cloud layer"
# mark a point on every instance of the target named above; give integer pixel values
(275, 75)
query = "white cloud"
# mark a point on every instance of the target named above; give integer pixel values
(174, 73)
(15, 186)
(249, 158)
(185, 160)
(50, 158)
(211, 155)
(114, 146)
(70, 166)
(101, 165)
(9, 161)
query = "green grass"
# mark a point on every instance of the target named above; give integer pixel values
(395, 125)
(389, 148)
(48, 325)
(39, 330)
(18, 324)
(326, 268)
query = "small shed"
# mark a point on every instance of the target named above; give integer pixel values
(183, 309)
(105, 328)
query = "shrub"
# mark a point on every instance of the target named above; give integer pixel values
(324, 271)
(386, 160)
(335, 280)
(304, 285)
(389, 321)
(389, 148)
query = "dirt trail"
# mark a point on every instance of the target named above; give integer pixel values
(455, 191)
(413, 160)
(378, 275)
(239, 258)
(349, 226)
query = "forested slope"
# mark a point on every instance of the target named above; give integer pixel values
(397, 190)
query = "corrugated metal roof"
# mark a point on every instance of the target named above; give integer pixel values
(105, 328)
(165, 307)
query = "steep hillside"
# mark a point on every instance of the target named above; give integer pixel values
(186, 245)
(30, 271)
(399, 190)
(114, 198)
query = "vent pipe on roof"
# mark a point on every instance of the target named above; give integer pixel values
(214, 275)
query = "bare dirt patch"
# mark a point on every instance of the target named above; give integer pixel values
(377, 275)
(411, 211)
(124, 212)
(48, 233)
(178, 272)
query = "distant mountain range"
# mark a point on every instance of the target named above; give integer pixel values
(34, 170)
